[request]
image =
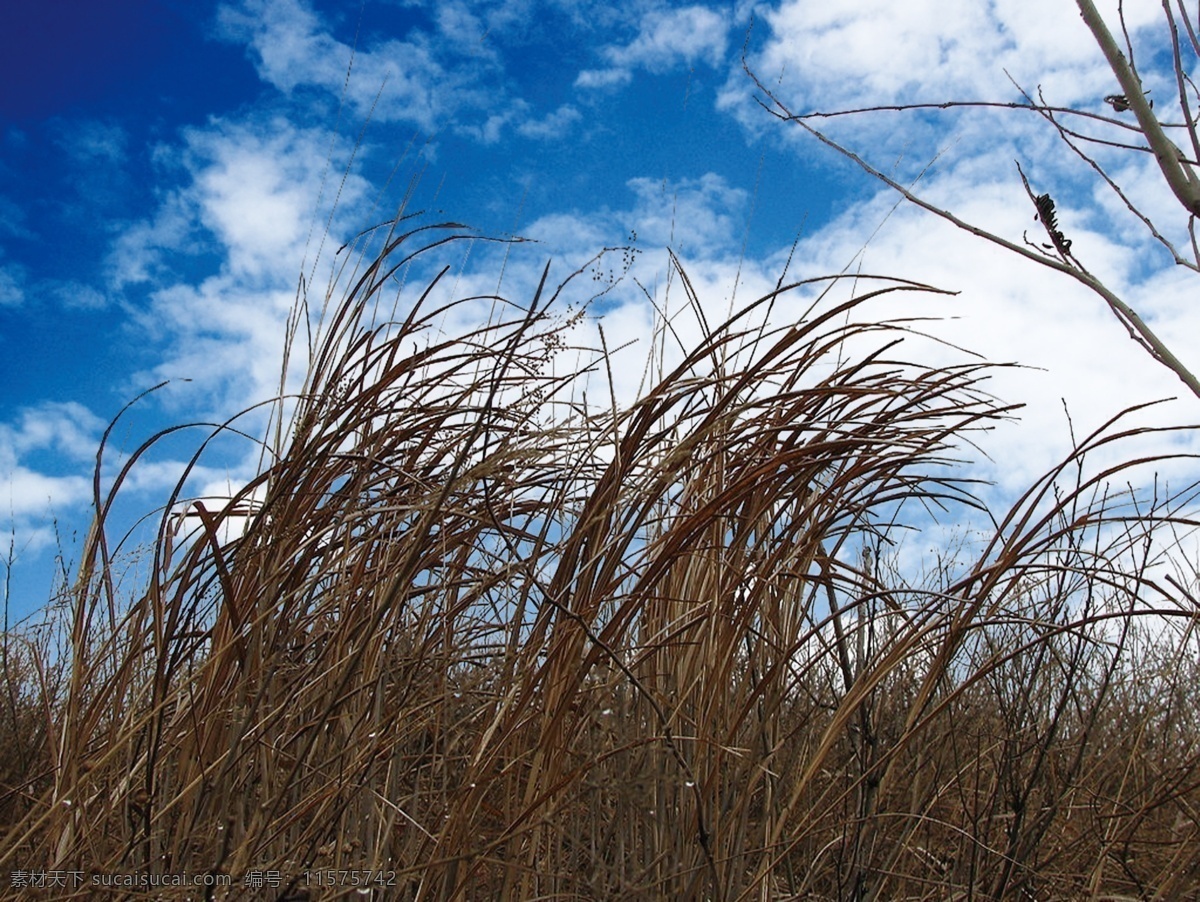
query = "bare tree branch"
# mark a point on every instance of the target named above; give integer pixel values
(1175, 170)
(1175, 166)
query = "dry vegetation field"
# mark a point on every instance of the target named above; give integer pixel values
(506, 643)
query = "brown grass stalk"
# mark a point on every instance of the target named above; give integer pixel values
(469, 631)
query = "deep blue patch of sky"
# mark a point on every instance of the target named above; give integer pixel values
(86, 91)
(134, 72)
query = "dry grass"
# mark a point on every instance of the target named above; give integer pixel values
(505, 644)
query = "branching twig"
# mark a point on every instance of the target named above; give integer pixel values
(1175, 167)
(1175, 170)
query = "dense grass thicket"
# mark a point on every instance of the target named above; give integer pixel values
(510, 642)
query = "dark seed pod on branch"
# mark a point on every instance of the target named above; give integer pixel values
(1049, 218)
(1120, 103)
(1045, 211)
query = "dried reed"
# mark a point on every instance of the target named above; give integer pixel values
(504, 644)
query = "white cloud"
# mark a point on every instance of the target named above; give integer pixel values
(669, 37)
(250, 203)
(518, 118)
(47, 461)
(447, 77)
(866, 52)
(12, 291)
(698, 217)
(68, 428)
(1010, 309)
(250, 197)
(603, 78)
(666, 38)
(586, 232)
(286, 38)
(459, 25)
(553, 125)
(33, 493)
(255, 189)
(137, 254)
(67, 433)
(249, 200)
(227, 340)
(75, 295)
(250, 191)
(422, 80)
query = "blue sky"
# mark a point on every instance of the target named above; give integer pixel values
(167, 169)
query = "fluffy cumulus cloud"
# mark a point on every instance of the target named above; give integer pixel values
(293, 48)
(828, 57)
(440, 74)
(251, 201)
(47, 458)
(255, 189)
(1008, 309)
(666, 39)
(286, 41)
(699, 217)
(250, 192)
(258, 195)
(443, 72)
(139, 251)
(1072, 352)
(838, 55)
(553, 125)
(628, 286)
(69, 429)
(31, 489)
(207, 282)
(816, 57)
(603, 78)
(519, 117)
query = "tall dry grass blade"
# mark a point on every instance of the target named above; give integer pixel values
(467, 630)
